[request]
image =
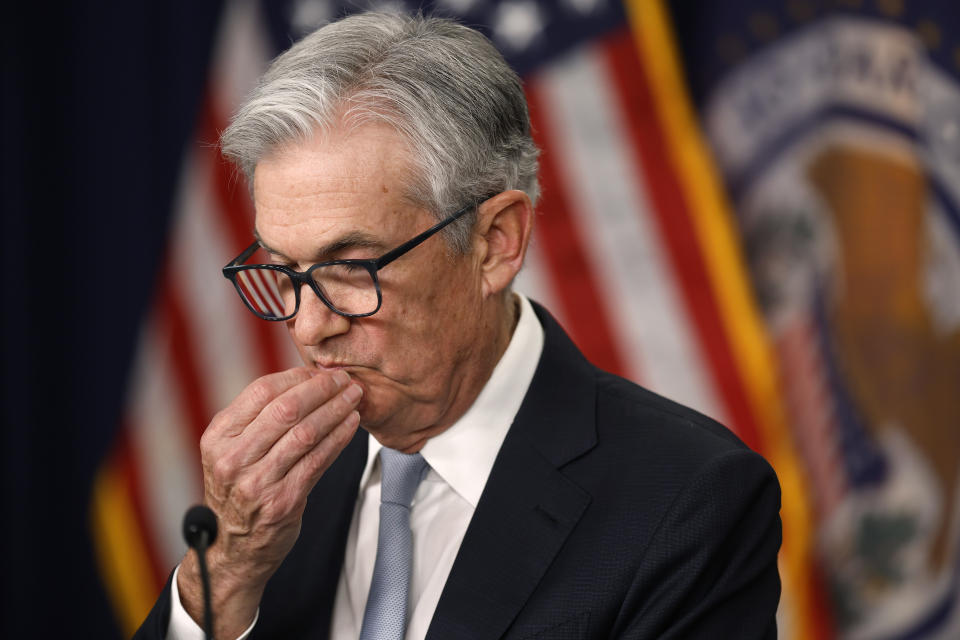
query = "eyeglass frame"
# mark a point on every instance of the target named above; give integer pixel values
(300, 278)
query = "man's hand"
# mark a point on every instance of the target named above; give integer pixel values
(261, 457)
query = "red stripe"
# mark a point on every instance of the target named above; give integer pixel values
(183, 350)
(130, 475)
(584, 309)
(672, 213)
(236, 214)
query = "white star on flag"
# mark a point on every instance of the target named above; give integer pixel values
(517, 24)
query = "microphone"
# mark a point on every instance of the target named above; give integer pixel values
(200, 530)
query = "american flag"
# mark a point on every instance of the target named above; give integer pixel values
(634, 251)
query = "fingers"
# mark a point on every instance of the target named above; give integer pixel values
(252, 400)
(261, 457)
(307, 408)
(289, 410)
(306, 470)
(310, 433)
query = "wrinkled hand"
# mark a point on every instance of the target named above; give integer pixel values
(261, 457)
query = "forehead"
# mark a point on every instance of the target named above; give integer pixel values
(308, 192)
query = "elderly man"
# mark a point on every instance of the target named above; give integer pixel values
(500, 486)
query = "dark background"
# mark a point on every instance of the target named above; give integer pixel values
(98, 101)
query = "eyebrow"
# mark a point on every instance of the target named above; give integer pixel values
(349, 240)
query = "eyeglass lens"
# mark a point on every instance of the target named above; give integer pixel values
(349, 288)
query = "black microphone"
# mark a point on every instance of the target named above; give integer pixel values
(200, 530)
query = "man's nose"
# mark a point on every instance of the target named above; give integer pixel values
(315, 322)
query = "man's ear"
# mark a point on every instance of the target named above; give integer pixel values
(504, 225)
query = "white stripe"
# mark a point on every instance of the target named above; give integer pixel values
(250, 289)
(241, 54)
(266, 291)
(613, 214)
(213, 309)
(163, 448)
(253, 288)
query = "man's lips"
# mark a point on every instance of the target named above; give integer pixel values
(330, 366)
(336, 365)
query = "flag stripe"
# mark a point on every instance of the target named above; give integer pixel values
(242, 52)
(673, 218)
(573, 90)
(573, 279)
(161, 441)
(200, 249)
(613, 210)
(235, 213)
(187, 378)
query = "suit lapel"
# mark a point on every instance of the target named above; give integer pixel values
(528, 507)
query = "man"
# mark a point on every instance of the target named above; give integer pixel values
(394, 180)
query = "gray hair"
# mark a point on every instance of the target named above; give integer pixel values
(441, 85)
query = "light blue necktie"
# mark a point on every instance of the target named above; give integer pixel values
(386, 613)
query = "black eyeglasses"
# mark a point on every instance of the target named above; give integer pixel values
(348, 287)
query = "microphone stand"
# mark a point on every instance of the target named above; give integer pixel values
(200, 530)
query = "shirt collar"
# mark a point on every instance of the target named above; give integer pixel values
(463, 455)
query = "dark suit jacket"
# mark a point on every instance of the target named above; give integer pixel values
(609, 512)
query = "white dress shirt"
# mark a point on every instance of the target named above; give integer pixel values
(460, 460)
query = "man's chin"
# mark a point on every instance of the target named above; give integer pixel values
(403, 442)
(384, 423)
